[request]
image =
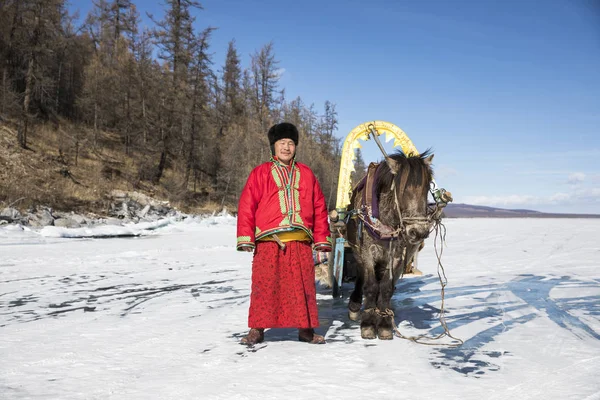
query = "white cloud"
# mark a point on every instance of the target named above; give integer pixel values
(279, 72)
(576, 177)
(444, 172)
(501, 201)
(560, 198)
(541, 172)
(588, 195)
(576, 154)
(578, 196)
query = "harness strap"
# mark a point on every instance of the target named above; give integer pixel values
(368, 205)
(368, 195)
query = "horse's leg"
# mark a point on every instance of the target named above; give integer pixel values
(385, 327)
(355, 302)
(368, 323)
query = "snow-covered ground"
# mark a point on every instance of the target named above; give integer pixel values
(160, 315)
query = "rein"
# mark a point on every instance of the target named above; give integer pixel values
(425, 339)
(433, 217)
(440, 235)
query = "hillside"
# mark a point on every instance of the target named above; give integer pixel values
(102, 105)
(470, 211)
(57, 172)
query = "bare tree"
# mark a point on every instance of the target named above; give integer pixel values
(265, 80)
(153, 98)
(174, 36)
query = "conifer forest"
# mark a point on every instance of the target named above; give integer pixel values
(103, 103)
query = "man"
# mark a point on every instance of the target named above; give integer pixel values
(281, 214)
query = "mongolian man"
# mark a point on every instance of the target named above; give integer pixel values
(282, 216)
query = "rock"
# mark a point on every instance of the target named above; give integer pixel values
(80, 219)
(125, 207)
(141, 198)
(11, 214)
(42, 217)
(143, 213)
(118, 195)
(112, 221)
(162, 210)
(134, 206)
(66, 223)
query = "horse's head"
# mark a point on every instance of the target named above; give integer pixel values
(403, 189)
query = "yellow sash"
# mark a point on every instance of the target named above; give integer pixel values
(289, 236)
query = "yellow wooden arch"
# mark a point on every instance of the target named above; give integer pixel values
(348, 154)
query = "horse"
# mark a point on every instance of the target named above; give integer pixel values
(389, 222)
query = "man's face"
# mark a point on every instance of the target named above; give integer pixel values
(285, 150)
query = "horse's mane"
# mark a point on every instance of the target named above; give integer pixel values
(419, 173)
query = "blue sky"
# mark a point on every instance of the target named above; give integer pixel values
(506, 93)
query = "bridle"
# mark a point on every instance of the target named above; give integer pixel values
(431, 218)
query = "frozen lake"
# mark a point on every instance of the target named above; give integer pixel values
(159, 316)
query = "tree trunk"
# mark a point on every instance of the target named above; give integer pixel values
(76, 146)
(26, 100)
(128, 120)
(144, 116)
(161, 166)
(225, 191)
(4, 79)
(56, 101)
(191, 151)
(95, 105)
(163, 154)
(9, 54)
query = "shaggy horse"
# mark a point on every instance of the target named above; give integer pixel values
(389, 222)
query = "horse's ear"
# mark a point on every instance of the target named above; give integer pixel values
(428, 160)
(393, 164)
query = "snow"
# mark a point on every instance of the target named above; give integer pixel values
(158, 314)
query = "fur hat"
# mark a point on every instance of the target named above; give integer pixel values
(284, 130)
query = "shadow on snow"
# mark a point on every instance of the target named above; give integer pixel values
(527, 296)
(489, 307)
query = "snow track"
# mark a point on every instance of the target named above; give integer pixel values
(160, 317)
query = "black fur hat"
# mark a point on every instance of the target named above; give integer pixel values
(284, 130)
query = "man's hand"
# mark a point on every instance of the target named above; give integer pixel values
(246, 248)
(323, 248)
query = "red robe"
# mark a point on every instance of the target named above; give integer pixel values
(276, 199)
(283, 287)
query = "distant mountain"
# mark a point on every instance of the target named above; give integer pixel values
(469, 211)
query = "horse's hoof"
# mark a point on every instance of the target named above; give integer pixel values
(385, 334)
(368, 332)
(354, 311)
(354, 315)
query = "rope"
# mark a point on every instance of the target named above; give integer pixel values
(424, 339)
(391, 263)
(435, 218)
(394, 233)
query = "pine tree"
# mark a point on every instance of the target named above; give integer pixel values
(39, 30)
(174, 36)
(152, 98)
(360, 168)
(265, 80)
